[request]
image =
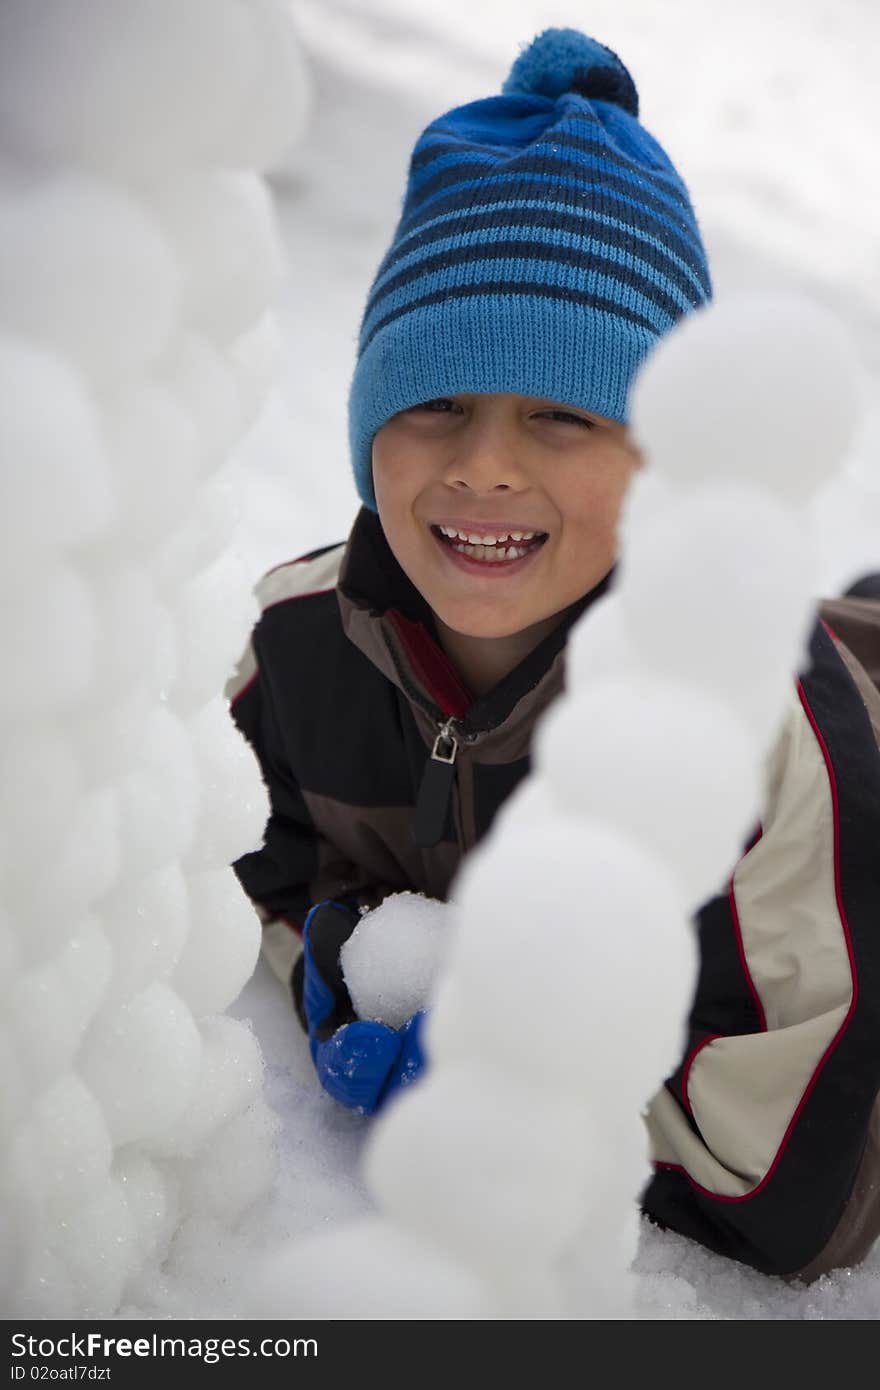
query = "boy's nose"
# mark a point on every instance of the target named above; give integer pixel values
(483, 458)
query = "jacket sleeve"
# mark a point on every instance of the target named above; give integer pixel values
(297, 866)
(766, 1140)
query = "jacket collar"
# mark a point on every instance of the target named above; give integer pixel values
(386, 617)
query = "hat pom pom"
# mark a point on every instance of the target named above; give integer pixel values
(565, 60)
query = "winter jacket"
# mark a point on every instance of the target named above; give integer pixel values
(383, 771)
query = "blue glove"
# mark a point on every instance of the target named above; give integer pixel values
(358, 1062)
(411, 1058)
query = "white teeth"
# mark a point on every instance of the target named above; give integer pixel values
(471, 538)
(490, 553)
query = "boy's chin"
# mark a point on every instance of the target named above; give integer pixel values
(489, 628)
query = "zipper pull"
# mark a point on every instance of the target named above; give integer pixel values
(436, 788)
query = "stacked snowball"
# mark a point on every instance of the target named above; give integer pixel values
(508, 1177)
(138, 260)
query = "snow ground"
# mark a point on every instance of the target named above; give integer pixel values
(781, 163)
(320, 1189)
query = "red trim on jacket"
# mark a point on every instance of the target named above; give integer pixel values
(686, 1069)
(808, 1089)
(432, 665)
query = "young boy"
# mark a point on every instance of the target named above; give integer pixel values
(393, 681)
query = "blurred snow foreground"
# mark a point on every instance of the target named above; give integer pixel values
(138, 260)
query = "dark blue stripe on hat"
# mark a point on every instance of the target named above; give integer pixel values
(544, 219)
(517, 288)
(461, 199)
(449, 159)
(589, 175)
(588, 142)
(542, 253)
(448, 142)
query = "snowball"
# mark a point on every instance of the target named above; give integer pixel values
(140, 638)
(84, 868)
(368, 1269)
(483, 1165)
(393, 955)
(67, 1145)
(215, 613)
(233, 794)
(596, 1271)
(159, 799)
(43, 1286)
(222, 946)
(85, 270)
(599, 645)
(151, 1201)
(764, 388)
(257, 357)
(15, 1091)
(55, 482)
(50, 629)
(96, 1244)
(40, 781)
(718, 590)
(107, 737)
(229, 1079)
(166, 81)
(156, 458)
(203, 381)
(235, 1167)
(55, 1002)
(146, 920)
(141, 1059)
(10, 956)
(664, 763)
(549, 923)
(221, 226)
(202, 539)
(14, 1233)
(275, 111)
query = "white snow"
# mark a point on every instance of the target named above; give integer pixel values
(672, 732)
(700, 565)
(85, 269)
(391, 959)
(137, 1151)
(761, 431)
(139, 260)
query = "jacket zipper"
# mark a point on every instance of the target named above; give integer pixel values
(435, 790)
(438, 777)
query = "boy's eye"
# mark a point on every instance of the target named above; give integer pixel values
(441, 406)
(568, 417)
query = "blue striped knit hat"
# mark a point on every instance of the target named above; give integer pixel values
(546, 242)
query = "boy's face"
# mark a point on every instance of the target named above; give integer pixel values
(489, 465)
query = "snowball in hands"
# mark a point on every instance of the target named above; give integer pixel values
(392, 957)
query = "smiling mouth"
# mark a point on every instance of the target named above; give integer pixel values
(502, 552)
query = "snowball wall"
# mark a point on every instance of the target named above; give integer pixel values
(138, 259)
